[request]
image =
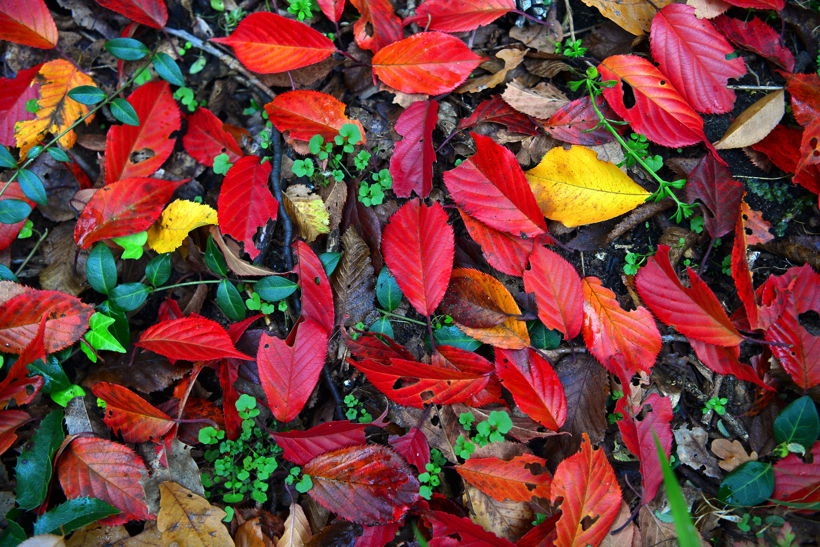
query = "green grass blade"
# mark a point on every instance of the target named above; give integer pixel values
(687, 534)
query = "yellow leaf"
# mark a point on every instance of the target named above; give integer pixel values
(56, 110)
(308, 211)
(574, 187)
(633, 16)
(187, 519)
(179, 218)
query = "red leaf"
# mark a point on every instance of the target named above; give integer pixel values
(534, 385)
(576, 123)
(269, 43)
(459, 359)
(123, 208)
(459, 15)
(8, 232)
(14, 93)
(332, 8)
(796, 481)
(782, 147)
(206, 138)
(378, 25)
(300, 447)
(638, 426)
(245, 202)
(380, 348)
(27, 22)
(490, 186)
(557, 289)
(805, 97)
(317, 294)
(692, 54)
(776, 5)
(427, 62)
(105, 470)
(306, 113)
(367, 484)
(800, 357)
(289, 369)
(20, 317)
(712, 183)
(10, 420)
(17, 386)
(469, 533)
(806, 288)
(694, 311)
(659, 111)
(590, 493)
(148, 12)
(130, 415)
(504, 252)
(412, 162)
(496, 110)
(413, 447)
(127, 145)
(519, 479)
(757, 37)
(418, 247)
(190, 339)
(622, 341)
(725, 360)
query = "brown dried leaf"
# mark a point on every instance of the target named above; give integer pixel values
(63, 272)
(236, 264)
(150, 537)
(755, 122)
(251, 534)
(297, 528)
(731, 454)
(511, 58)
(692, 450)
(708, 9)
(533, 36)
(634, 16)
(187, 519)
(541, 101)
(507, 519)
(146, 372)
(353, 281)
(97, 536)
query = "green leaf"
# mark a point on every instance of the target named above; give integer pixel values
(451, 335)
(34, 465)
(543, 338)
(686, 531)
(158, 269)
(230, 301)
(222, 164)
(73, 514)
(7, 161)
(99, 336)
(64, 396)
(750, 484)
(330, 260)
(382, 326)
(53, 374)
(87, 94)
(121, 328)
(133, 244)
(58, 154)
(798, 423)
(124, 112)
(168, 69)
(127, 49)
(388, 292)
(214, 258)
(7, 275)
(13, 535)
(129, 296)
(13, 211)
(274, 288)
(101, 269)
(32, 186)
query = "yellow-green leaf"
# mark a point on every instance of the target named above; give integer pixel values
(574, 187)
(179, 218)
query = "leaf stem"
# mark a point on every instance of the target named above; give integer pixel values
(401, 317)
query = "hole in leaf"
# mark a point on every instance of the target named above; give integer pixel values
(587, 522)
(629, 96)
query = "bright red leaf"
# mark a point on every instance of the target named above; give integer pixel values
(378, 25)
(776, 5)
(8, 232)
(97, 468)
(490, 186)
(123, 208)
(289, 369)
(14, 93)
(659, 112)
(367, 484)
(411, 164)
(534, 385)
(557, 289)
(206, 138)
(782, 147)
(20, 317)
(576, 123)
(148, 12)
(413, 447)
(505, 252)
(638, 427)
(460, 359)
(130, 415)
(305, 113)
(428, 62)
(796, 481)
(519, 479)
(712, 184)
(332, 8)
(379, 348)
(300, 447)
(591, 497)
(190, 339)
(692, 54)
(468, 533)
(269, 43)
(27, 22)
(317, 294)
(18, 387)
(804, 90)
(800, 356)
(459, 15)
(622, 341)
(496, 110)
(245, 201)
(418, 248)
(10, 420)
(758, 37)
(725, 360)
(138, 151)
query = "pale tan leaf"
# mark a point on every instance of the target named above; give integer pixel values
(250, 534)
(44, 540)
(510, 58)
(297, 528)
(755, 122)
(308, 211)
(236, 264)
(633, 16)
(541, 101)
(731, 454)
(187, 519)
(149, 537)
(97, 535)
(65, 269)
(708, 9)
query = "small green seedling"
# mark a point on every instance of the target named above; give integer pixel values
(570, 48)
(431, 478)
(718, 404)
(356, 411)
(222, 164)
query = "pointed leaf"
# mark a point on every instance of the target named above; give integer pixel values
(306, 113)
(34, 465)
(725, 360)
(797, 481)
(300, 447)
(427, 62)
(776, 5)
(317, 294)
(412, 162)
(72, 515)
(14, 94)
(413, 447)
(332, 9)
(459, 15)
(496, 110)
(750, 484)
(519, 479)
(754, 123)
(297, 527)
(756, 36)
(27, 22)
(185, 518)
(557, 289)
(800, 356)
(505, 252)
(10, 420)
(178, 219)
(269, 43)
(633, 17)
(364, 484)
(206, 138)
(805, 98)
(470, 534)
(130, 415)
(712, 183)
(378, 25)
(20, 317)
(534, 385)
(577, 123)
(148, 12)
(190, 339)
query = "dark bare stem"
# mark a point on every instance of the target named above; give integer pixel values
(276, 187)
(450, 136)
(337, 412)
(529, 17)
(705, 262)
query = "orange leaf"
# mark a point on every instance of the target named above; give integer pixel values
(21, 315)
(57, 112)
(534, 385)
(127, 413)
(306, 113)
(520, 479)
(378, 26)
(27, 22)
(557, 289)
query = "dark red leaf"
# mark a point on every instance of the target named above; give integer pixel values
(782, 147)
(450, 530)
(138, 151)
(519, 479)
(206, 139)
(10, 420)
(300, 447)
(776, 5)
(712, 183)
(412, 162)
(332, 8)
(14, 93)
(758, 37)
(289, 369)
(130, 415)
(379, 348)
(796, 481)
(725, 360)
(504, 252)
(17, 387)
(317, 294)
(806, 287)
(800, 357)
(367, 484)
(190, 339)
(20, 317)
(534, 385)
(804, 90)
(27, 22)
(576, 122)
(496, 110)
(148, 12)
(413, 447)
(459, 15)
(557, 289)
(378, 25)
(490, 186)
(418, 247)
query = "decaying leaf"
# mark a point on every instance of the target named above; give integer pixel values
(308, 211)
(353, 281)
(541, 101)
(297, 528)
(634, 16)
(511, 58)
(185, 518)
(177, 220)
(755, 122)
(731, 454)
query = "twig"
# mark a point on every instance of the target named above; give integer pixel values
(276, 186)
(334, 393)
(755, 87)
(569, 20)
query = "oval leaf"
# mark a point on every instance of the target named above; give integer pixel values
(130, 415)
(148, 12)
(513, 480)
(190, 339)
(306, 113)
(27, 22)
(557, 289)
(20, 316)
(534, 385)
(206, 138)
(459, 15)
